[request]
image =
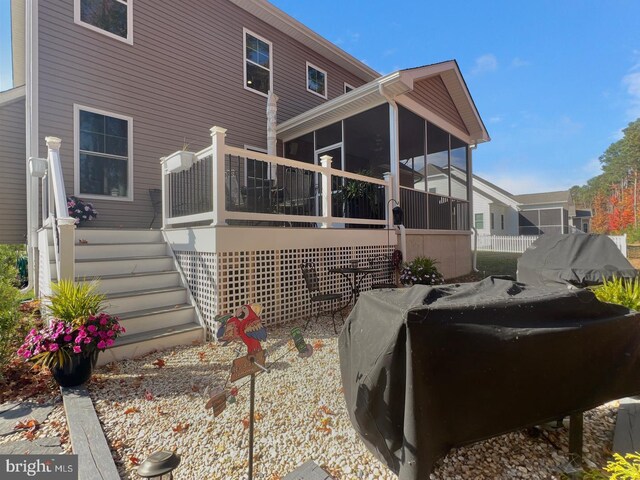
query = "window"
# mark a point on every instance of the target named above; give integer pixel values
(348, 88)
(492, 223)
(502, 222)
(316, 80)
(258, 74)
(110, 17)
(103, 148)
(479, 217)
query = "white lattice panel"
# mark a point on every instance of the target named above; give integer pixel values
(223, 281)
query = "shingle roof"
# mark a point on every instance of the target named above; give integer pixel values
(544, 197)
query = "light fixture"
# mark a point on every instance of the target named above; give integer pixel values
(159, 465)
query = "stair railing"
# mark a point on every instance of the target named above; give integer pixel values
(55, 213)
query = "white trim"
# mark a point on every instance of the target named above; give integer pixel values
(326, 81)
(246, 31)
(13, 95)
(128, 4)
(344, 89)
(76, 153)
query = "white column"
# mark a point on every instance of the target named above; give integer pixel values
(165, 192)
(218, 135)
(325, 161)
(388, 196)
(272, 141)
(394, 150)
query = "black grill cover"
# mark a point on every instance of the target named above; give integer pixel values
(578, 259)
(425, 369)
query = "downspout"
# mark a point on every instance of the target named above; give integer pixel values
(394, 159)
(474, 262)
(31, 130)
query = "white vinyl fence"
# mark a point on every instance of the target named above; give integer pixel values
(518, 244)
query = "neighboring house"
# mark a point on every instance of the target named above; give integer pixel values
(547, 212)
(124, 84)
(498, 212)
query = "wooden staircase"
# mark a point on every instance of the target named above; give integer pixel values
(143, 287)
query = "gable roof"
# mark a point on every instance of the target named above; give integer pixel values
(13, 95)
(544, 197)
(394, 86)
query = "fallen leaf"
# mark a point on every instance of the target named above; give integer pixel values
(148, 395)
(159, 363)
(29, 435)
(160, 412)
(326, 410)
(134, 460)
(318, 344)
(181, 427)
(245, 423)
(195, 387)
(202, 356)
(131, 410)
(117, 444)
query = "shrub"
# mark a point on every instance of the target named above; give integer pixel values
(421, 271)
(9, 316)
(624, 468)
(620, 291)
(80, 210)
(75, 302)
(9, 256)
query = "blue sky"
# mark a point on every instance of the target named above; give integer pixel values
(554, 81)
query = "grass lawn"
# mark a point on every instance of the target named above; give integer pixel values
(497, 263)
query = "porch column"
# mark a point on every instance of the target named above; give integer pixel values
(394, 151)
(218, 184)
(326, 160)
(272, 110)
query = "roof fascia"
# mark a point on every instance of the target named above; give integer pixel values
(13, 95)
(292, 27)
(484, 189)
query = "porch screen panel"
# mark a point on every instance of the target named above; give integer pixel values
(414, 206)
(459, 169)
(437, 160)
(366, 142)
(412, 149)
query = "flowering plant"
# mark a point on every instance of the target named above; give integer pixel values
(421, 271)
(80, 210)
(54, 344)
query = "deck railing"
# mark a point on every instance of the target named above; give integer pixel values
(234, 186)
(431, 211)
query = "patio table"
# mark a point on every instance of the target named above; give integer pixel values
(354, 275)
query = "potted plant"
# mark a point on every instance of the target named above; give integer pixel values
(69, 345)
(80, 210)
(360, 198)
(180, 160)
(421, 271)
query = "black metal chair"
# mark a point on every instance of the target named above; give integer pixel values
(311, 280)
(384, 277)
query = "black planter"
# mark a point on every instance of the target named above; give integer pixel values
(75, 371)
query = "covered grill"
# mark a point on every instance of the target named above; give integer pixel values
(577, 259)
(426, 369)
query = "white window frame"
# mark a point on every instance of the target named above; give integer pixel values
(348, 85)
(246, 31)
(326, 80)
(76, 153)
(129, 39)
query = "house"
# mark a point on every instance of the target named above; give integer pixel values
(280, 125)
(527, 214)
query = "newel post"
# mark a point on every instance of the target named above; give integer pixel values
(218, 183)
(388, 196)
(66, 224)
(325, 161)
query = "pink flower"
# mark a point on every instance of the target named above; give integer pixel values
(68, 338)
(102, 345)
(77, 349)
(92, 328)
(110, 342)
(110, 333)
(54, 347)
(103, 321)
(87, 340)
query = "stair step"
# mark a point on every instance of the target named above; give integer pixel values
(132, 346)
(122, 302)
(158, 317)
(122, 250)
(117, 236)
(100, 267)
(128, 282)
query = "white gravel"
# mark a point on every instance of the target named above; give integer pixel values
(300, 416)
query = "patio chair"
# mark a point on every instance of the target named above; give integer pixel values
(318, 299)
(384, 277)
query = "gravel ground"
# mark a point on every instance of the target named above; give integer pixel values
(158, 402)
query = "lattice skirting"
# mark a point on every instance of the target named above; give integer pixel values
(222, 281)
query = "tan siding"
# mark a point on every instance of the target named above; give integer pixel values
(433, 94)
(182, 75)
(13, 198)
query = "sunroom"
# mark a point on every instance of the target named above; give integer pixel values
(341, 167)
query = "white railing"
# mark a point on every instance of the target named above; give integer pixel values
(212, 186)
(55, 214)
(518, 244)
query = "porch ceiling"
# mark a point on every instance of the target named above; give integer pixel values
(395, 86)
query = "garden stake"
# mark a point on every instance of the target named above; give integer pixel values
(252, 393)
